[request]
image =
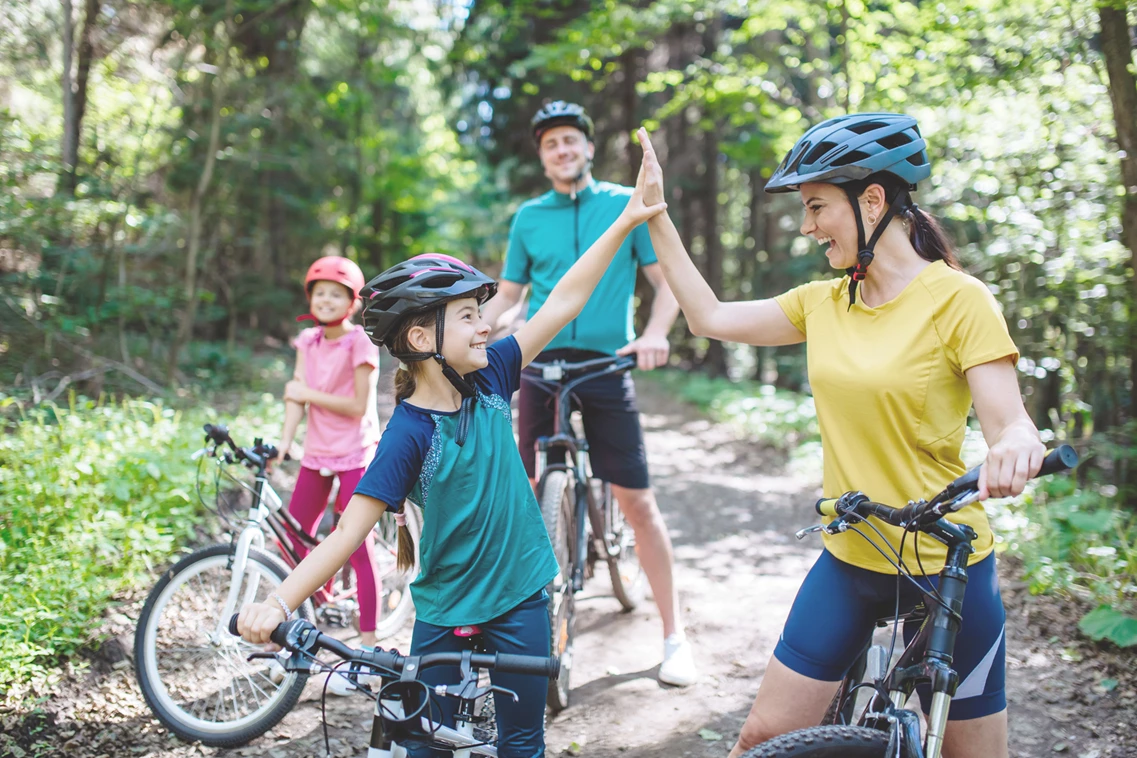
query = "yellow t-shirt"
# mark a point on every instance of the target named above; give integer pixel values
(892, 399)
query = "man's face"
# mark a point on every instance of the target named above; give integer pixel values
(564, 152)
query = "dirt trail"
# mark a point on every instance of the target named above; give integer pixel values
(732, 510)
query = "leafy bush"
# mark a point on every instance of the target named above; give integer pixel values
(771, 416)
(1079, 541)
(96, 496)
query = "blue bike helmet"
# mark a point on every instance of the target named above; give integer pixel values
(849, 148)
(854, 151)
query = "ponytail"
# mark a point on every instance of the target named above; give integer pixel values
(405, 559)
(405, 384)
(924, 232)
(928, 237)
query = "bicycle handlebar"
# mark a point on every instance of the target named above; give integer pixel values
(301, 636)
(925, 512)
(258, 455)
(608, 363)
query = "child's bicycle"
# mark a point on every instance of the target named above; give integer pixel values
(886, 728)
(194, 675)
(584, 522)
(403, 703)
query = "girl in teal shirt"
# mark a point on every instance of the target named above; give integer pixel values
(449, 446)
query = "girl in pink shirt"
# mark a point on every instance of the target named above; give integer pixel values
(337, 368)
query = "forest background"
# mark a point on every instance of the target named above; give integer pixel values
(168, 170)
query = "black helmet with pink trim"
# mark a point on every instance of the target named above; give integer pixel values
(417, 285)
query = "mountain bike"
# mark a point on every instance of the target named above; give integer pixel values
(403, 703)
(195, 676)
(584, 522)
(886, 727)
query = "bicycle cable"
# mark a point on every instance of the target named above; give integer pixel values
(901, 568)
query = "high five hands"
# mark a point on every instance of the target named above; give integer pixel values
(651, 350)
(647, 198)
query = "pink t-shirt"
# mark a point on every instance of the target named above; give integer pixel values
(334, 441)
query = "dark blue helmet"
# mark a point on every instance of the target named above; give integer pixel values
(854, 147)
(560, 113)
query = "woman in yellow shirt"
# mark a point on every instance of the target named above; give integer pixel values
(899, 349)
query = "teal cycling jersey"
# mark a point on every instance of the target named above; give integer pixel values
(550, 233)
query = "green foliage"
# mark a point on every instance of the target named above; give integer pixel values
(97, 496)
(1080, 541)
(778, 418)
(1105, 623)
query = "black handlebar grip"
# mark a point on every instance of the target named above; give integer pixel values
(280, 634)
(233, 624)
(528, 664)
(1059, 459)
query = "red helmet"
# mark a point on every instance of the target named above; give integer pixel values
(333, 268)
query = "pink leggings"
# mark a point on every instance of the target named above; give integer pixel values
(307, 505)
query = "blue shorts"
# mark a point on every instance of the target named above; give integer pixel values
(521, 631)
(836, 609)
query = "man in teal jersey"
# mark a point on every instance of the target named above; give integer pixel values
(548, 234)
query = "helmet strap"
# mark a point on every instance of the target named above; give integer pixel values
(865, 253)
(463, 384)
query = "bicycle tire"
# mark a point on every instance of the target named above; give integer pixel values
(825, 742)
(557, 499)
(629, 583)
(184, 667)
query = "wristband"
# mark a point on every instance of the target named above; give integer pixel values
(283, 606)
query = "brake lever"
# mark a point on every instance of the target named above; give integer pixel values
(505, 691)
(198, 453)
(803, 533)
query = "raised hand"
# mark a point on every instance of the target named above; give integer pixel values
(650, 170)
(638, 209)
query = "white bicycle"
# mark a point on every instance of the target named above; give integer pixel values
(197, 678)
(402, 701)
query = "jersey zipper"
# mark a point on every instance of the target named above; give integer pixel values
(576, 244)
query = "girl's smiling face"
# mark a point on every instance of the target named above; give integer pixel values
(464, 337)
(330, 301)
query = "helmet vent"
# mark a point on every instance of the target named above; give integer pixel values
(865, 127)
(816, 153)
(849, 158)
(918, 159)
(895, 140)
(441, 281)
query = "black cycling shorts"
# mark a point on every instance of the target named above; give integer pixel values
(611, 422)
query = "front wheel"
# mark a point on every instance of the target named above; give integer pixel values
(557, 500)
(825, 742)
(194, 675)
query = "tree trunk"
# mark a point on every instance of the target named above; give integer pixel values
(1117, 49)
(67, 154)
(75, 92)
(1118, 52)
(715, 359)
(193, 244)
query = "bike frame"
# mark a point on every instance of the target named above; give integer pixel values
(564, 440)
(928, 658)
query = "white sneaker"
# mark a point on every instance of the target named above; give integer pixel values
(678, 667)
(276, 672)
(338, 684)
